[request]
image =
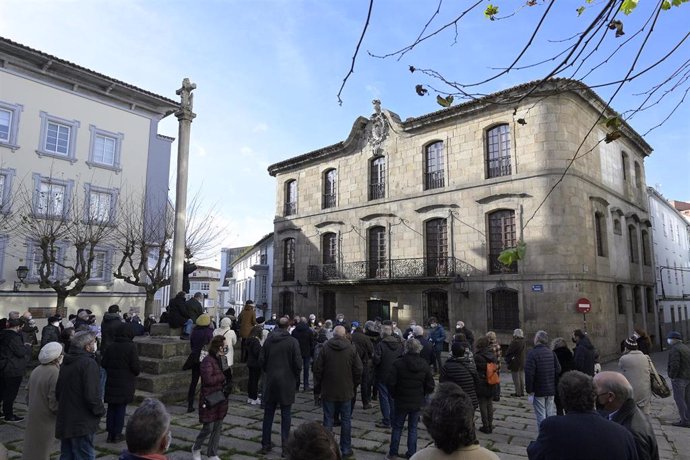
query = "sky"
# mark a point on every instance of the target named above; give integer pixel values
(268, 72)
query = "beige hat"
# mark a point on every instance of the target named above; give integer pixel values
(50, 352)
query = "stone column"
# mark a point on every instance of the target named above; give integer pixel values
(185, 117)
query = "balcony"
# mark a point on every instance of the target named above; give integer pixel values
(434, 179)
(377, 190)
(290, 208)
(496, 267)
(422, 268)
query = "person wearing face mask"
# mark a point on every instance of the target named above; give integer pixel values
(148, 432)
(679, 373)
(50, 332)
(42, 404)
(80, 407)
(437, 336)
(637, 368)
(212, 380)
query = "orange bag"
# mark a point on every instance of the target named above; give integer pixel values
(492, 374)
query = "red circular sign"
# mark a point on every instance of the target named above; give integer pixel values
(584, 305)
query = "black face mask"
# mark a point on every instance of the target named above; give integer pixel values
(573, 339)
(599, 406)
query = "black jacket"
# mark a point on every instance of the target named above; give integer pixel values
(584, 356)
(410, 381)
(14, 355)
(385, 353)
(364, 347)
(337, 370)
(679, 362)
(427, 349)
(579, 436)
(110, 323)
(637, 423)
(305, 338)
(481, 358)
(541, 371)
(177, 312)
(281, 361)
(194, 309)
(565, 359)
(121, 363)
(79, 401)
(515, 356)
(463, 373)
(468, 335)
(253, 345)
(49, 334)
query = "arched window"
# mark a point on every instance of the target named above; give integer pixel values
(637, 299)
(600, 233)
(498, 161)
(633, 248)
(290, 197)
(436, 247)
(433, 166)
(329, 188)
(638, 175)
(650, 300)
(377, 178)
(502, 235)
(503, 310)
(289, 259)
(329, 248)
(378, 256)
(646, 254)
(287, 303)
(620, 299)
(617, 227)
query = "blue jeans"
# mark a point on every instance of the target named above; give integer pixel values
(344, 409)
(681, 395)
(187, 327)
(386, 403)
(398, 424)
(544, 406)
(80, 448)
(285, 421)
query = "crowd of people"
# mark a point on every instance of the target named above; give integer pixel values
(90, 372)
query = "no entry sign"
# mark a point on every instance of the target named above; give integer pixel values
(584, 305)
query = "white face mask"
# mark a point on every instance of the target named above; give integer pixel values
(95, 347)
(56, 323)
(669, 341)
(168, 441)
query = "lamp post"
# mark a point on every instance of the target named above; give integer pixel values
(22, 272)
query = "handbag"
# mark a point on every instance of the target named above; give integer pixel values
(492, 375)
(213, 399)
(203, 353)
(659, 385)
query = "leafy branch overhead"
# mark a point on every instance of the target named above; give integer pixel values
(510, 256)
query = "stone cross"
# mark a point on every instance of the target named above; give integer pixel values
(186, 96)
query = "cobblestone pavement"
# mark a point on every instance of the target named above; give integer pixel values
(514, 421)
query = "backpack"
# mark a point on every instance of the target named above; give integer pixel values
(492, 374)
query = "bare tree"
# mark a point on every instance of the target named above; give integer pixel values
(67, 234)
(146, 244)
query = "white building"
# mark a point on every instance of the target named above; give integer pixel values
(671, 242)
(251, 277)
(69, 134)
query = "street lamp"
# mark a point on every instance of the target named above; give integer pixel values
(22, 272)
(461, 285)
(300, 289)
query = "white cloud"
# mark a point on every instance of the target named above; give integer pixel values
(260, 128)
(246, 151)
(199, 150)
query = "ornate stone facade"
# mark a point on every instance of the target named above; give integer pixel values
(424, 206)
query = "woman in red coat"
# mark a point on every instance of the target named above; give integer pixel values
(212, 380)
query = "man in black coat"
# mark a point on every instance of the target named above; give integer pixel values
(427, 348)
(541, 371)
(281, 361)
(80, 406)
(585, 354)
(460, 370)
(337, 372)
(194, 306)
(410, 381)
(307, 340)
(365, 350)
(460, 328)
(111, 322)
(615, 396)
(178, 316)
(14, 357)
(51, 331)
(581, 433)
(385, 353)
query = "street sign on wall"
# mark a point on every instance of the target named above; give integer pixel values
(583, 305)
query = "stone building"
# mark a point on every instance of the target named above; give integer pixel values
(671, 244)
(406, 219)
(73, 143)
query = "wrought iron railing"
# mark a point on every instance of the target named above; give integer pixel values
(290, 208)
(495, 266)
(377, 190)
(500, 166)
(435, 179)
(423, 267)
(328, 200)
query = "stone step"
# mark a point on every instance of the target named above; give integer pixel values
(163, 382)
(159, 366)
(162, 347)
